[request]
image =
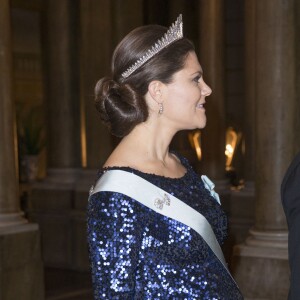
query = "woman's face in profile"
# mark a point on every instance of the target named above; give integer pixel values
(185, 96)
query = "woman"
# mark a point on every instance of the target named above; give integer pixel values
(144, 237)
(290, 197)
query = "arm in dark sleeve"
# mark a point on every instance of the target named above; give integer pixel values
(114, 238)
(291, 203)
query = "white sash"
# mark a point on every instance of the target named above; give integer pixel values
(161, 202)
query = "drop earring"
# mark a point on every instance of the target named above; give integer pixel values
(161, 109)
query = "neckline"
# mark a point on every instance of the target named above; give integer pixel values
(182, 160)
(145, 174)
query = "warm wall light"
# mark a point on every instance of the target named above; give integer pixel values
(83, 134)
(195, 141)
(232, 140)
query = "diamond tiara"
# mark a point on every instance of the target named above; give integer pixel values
(174, 33)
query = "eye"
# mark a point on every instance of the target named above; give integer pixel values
(197, 78)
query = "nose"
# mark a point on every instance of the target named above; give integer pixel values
(205, 89)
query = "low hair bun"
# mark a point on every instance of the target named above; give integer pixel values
(121, 108)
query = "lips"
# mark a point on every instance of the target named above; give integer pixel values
(200, 105)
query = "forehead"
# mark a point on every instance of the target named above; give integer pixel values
(191, 66)
(192, 63)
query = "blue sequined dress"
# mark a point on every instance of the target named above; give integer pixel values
(136, 253)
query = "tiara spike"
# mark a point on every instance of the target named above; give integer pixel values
(174, 33)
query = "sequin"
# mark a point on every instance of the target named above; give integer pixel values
(138, 254)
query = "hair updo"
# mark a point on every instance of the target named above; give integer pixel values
(120, 101)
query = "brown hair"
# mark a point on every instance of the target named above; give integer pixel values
(121, 101)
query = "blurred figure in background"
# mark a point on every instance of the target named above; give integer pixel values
(290, 196)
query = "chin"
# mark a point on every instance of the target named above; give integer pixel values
(198, 126)
(201, 125)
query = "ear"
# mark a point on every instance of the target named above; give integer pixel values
(155, 90)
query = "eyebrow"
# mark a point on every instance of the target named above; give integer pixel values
(198, 72)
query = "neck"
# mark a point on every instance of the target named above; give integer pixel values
(153, 141)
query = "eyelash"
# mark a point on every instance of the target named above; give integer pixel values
(197, 79)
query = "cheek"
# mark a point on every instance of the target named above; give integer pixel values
(183, 100)
(188, 96)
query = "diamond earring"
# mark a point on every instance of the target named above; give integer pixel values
(161, 109)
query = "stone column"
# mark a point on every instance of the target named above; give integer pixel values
(103, 25)
(96, 51)
(21, 270)
(243, 201)
(123, 18)
(61, 64)
(250, 92)
(52, 201)
(212, 61)
(10, 213)
(260, 264)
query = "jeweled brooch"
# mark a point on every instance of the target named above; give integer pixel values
(159, 203)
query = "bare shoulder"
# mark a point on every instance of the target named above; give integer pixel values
(124, 155)
(116, 160)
